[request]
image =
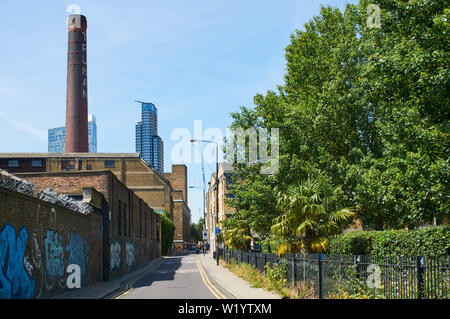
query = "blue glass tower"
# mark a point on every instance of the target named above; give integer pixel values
(148, 144)
(92, 133)
(57, 137)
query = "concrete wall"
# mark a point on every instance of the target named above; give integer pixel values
(38, 240)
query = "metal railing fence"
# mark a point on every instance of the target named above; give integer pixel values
(393, 277)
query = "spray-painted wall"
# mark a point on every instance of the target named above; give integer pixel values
(39, 240)
(133, 230)
(126, 246)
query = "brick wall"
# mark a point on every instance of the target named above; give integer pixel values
(39, 240)
(181, 212)
(133, 227)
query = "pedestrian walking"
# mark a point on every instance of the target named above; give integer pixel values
(197, 248)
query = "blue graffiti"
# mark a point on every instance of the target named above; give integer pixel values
(54, 254)
(78, 250)
(14, 279)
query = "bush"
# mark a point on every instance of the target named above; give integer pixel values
(270, 245)
(432, 241)
(167, 232)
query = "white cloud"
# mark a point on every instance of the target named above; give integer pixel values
(40, 134)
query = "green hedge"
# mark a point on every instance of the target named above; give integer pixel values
(432, 241)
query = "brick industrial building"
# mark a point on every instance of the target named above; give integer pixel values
(43, 233)
(159, 191)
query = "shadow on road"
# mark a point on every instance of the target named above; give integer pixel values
(165, 271)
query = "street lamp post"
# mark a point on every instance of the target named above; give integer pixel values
(217, 192)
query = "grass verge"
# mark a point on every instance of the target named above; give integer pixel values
(270, 280)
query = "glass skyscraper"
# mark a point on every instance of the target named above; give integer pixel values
(148, 144)
(57, 137)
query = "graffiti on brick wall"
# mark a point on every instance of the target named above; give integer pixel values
(36, 261)
(115, 255)
(78, 250)
(129, 249)
(54, 255)
(15, 280)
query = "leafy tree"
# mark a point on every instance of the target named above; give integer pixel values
(365, 107)
(237, 233)
(197, 230)
(406, 80)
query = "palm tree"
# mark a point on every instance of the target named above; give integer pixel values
(237, 233)
(308, 217)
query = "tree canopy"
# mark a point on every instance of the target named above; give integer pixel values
(367, 108)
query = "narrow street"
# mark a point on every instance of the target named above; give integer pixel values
(177, 277)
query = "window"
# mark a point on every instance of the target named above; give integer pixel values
(36, 163)
(119, 214)
(67, 165)
(13, 163)
(110, 164)
(228, 179)
(140, 219)
(125, 219)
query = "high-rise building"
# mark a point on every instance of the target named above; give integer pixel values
(56, 139)
(57, 136)
(148, 144)
(92, 133)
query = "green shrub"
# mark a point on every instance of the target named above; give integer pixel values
(432, 241)
(270, 245)
(167, 232)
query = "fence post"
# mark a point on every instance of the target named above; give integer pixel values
(320, 277)
(293, 269)
(265, 261)
(356, 260)
(420, 277)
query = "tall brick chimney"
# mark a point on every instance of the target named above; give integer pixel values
(76, 102)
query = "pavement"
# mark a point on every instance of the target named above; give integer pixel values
(236, 286)
(231, 286)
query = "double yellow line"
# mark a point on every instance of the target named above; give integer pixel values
(207, 283)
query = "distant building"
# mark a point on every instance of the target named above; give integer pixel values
(57, 136)
(92, 133)
(224, 211)
(148, 144)
(56, 139)
(160, 191)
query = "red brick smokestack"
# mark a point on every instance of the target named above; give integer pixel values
(76, 102)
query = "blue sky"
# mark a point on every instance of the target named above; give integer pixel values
(195, 60)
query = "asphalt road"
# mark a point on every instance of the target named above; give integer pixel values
(177, 277)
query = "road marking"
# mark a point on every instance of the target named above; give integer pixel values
(122, 294)
(208, 283)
